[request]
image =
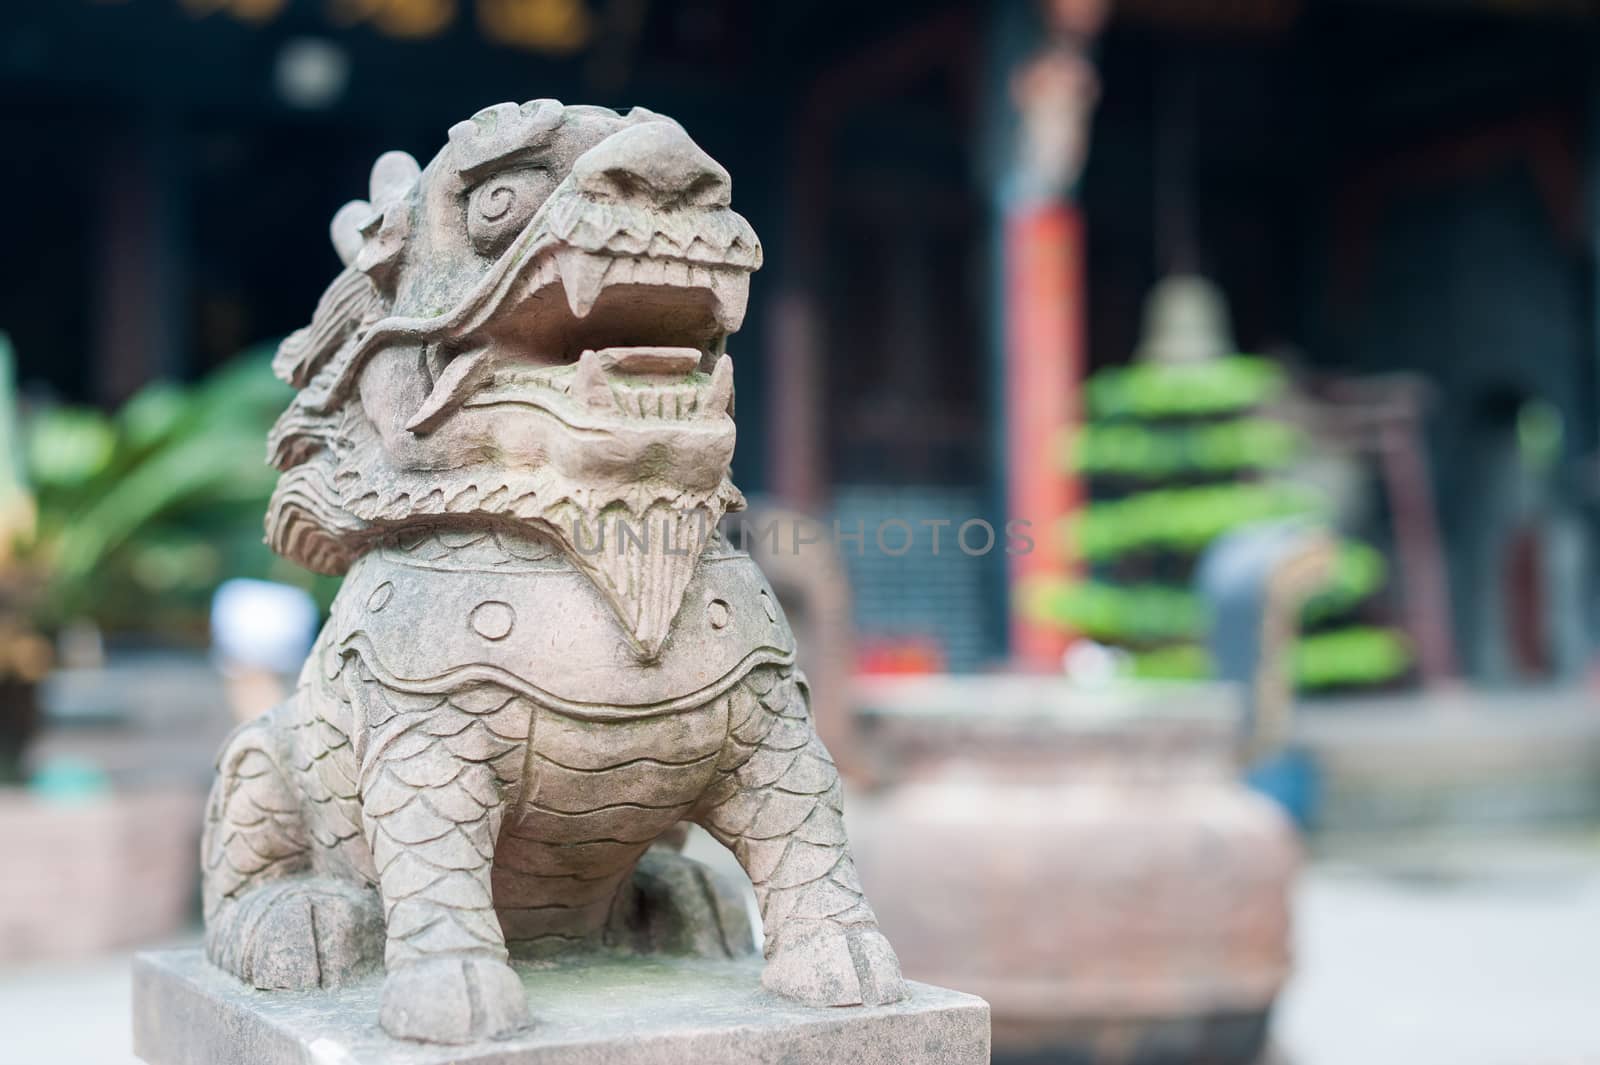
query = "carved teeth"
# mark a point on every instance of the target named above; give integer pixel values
(732, 291)
(589, 383)
(719, 396)
(583, 276)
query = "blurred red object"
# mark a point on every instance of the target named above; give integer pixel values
(909, 655)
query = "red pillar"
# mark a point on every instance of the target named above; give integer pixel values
(1052, 91)
(1044, 366)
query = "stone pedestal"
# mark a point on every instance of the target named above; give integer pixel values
(607, 1011)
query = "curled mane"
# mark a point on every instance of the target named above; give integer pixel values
(306, 520)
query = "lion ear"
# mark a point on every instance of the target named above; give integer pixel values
(346, 229)
(393, 176)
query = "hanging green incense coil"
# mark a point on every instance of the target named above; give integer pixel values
(1132, 450)
(1170, 390)
(1182, 519)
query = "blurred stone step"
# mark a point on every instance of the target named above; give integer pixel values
(93, 873)
(1454, 760)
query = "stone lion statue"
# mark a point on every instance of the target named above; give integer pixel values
(512, 436)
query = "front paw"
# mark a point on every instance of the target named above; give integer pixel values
(825, 964)
(453, 999)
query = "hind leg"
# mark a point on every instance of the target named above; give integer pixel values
(673, 904)
(269, 920)
(779, 807)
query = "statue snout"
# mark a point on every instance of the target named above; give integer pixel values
(656, 161)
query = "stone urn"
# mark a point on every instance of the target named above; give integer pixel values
(1087, 861)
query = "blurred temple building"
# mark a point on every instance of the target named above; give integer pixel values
(964, 206)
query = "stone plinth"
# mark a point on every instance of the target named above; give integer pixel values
(608, 1011)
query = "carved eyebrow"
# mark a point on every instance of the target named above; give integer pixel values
(475, 171)
(496, 135)
(531, 157)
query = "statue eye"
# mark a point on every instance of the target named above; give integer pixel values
(499, 207)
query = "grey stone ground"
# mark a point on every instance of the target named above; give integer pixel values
(1439, 954)
(1448, 954)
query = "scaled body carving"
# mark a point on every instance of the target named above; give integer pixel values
(512, 435)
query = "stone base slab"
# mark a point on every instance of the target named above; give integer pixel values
(605, 1011)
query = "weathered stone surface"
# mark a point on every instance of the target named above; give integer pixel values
(604, 1011)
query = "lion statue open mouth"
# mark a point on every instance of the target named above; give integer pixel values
(511, 434)
(533, 328)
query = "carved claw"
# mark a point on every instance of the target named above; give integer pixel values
(453, 999)
(822, 963)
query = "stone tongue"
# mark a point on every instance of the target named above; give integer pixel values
(650, 360)
(643, 564)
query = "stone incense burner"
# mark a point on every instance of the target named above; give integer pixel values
(1086, 861)
(511, 435)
